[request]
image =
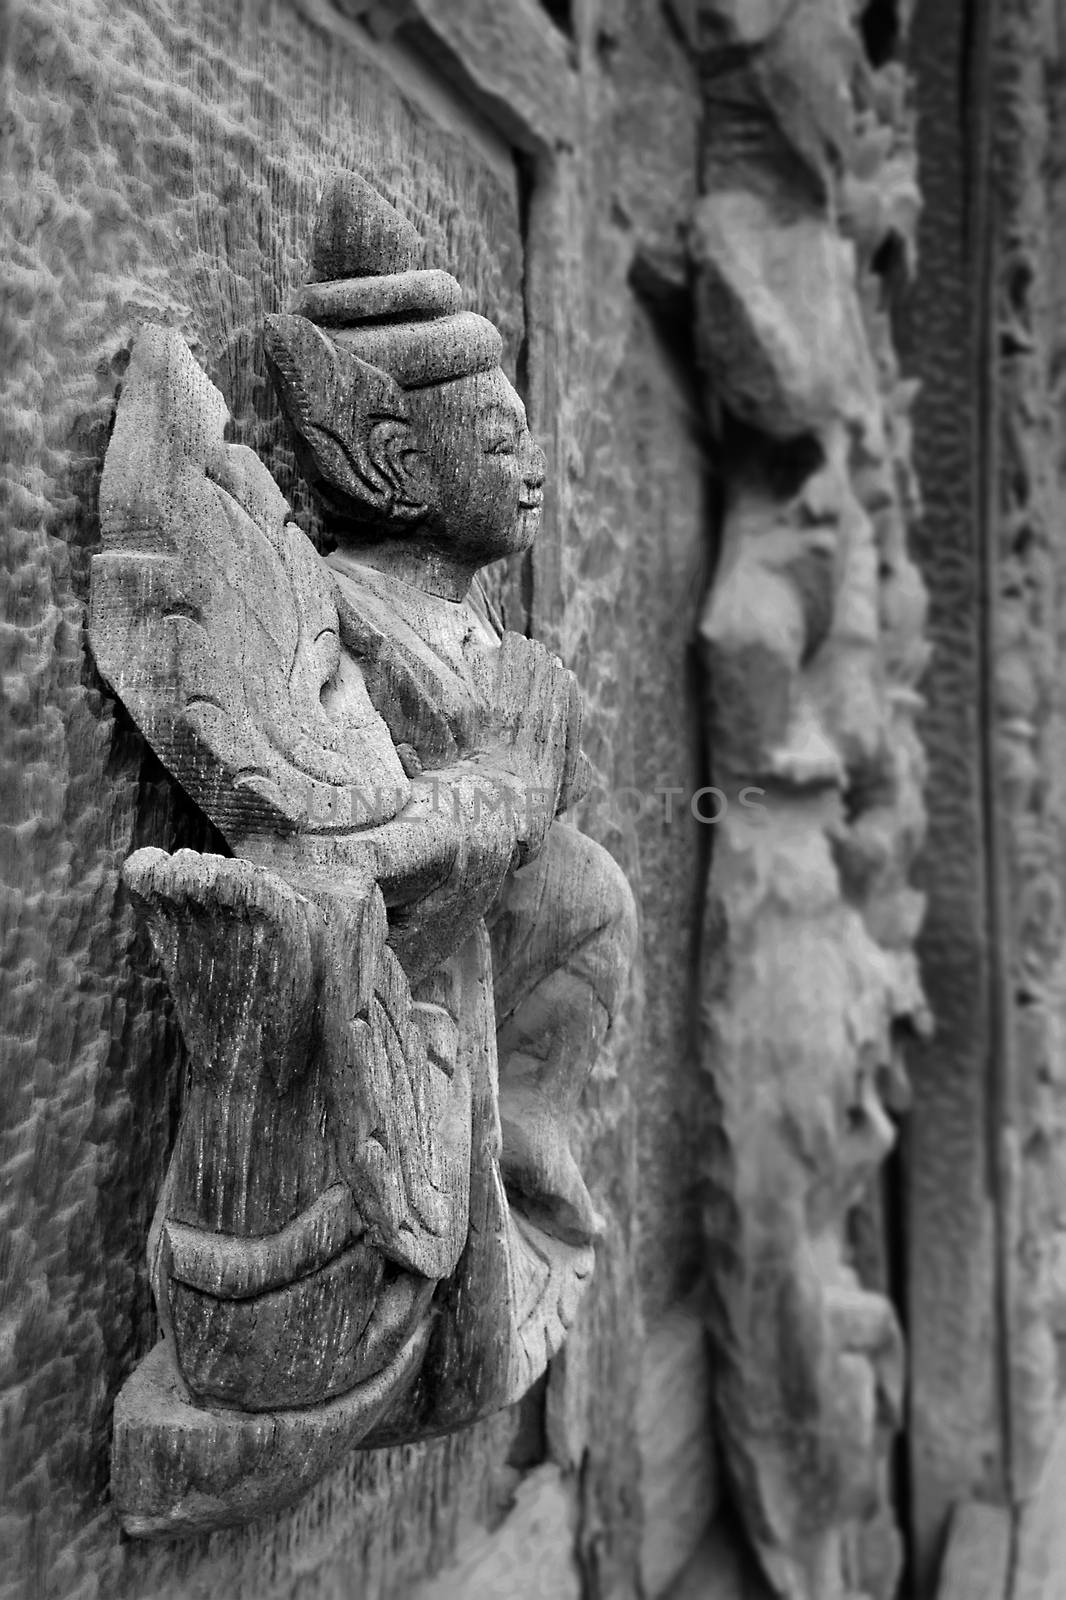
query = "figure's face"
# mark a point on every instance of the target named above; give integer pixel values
(487, 470)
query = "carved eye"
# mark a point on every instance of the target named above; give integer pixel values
(506, 446)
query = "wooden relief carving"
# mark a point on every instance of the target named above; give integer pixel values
(812, 644)
(372, 1228)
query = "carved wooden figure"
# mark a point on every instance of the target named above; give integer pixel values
(372, 1228)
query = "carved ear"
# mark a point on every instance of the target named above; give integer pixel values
(399, 461)
(350, 425)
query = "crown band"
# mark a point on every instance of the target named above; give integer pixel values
(416, 354)
(354, 300)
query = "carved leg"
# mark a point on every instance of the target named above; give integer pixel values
(562, 940)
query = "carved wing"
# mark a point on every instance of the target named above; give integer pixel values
(212, 618)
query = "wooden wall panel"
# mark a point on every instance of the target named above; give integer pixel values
(162, 165)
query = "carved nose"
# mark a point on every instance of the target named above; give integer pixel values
(533, 481)
(538, 467)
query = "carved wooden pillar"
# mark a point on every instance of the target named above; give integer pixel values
(983, 329)
(956, 1442)
(812, 646)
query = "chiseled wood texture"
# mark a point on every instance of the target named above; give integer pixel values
(669, 513)
(163, 170)
(529, 1557)
(812, 644)
(953, 1152)
(985, 334)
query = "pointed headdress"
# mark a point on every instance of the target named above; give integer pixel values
(370, 325)
(370, 290)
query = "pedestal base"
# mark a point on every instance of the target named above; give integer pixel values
(178, 1467)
